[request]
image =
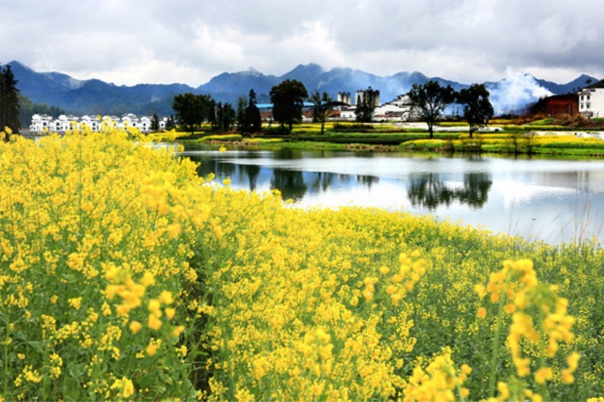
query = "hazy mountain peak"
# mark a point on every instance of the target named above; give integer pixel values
(97, 97)
(253, 71)
(309, 68)
(18, 64)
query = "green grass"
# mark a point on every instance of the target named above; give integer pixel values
(542, 122)
(511, 138)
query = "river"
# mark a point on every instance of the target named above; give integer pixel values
(554, 201)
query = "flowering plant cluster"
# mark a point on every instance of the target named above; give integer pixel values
(125, 276)
(92, 272)
(540, 321)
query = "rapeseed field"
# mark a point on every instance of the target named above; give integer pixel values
(125, 276)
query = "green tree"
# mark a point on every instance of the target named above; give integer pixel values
(288, 100)
(155, 123)
(170, 123)
(211, 111)
(429, 101)
(477, 108)
(192, 110)
(9, 100)
(323, 105)
(366, 105)
(253, 118)
(225, 116)
(240, 113)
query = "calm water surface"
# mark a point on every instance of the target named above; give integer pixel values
(551, 200)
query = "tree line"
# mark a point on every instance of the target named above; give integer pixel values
(428, 103)
(193, 110)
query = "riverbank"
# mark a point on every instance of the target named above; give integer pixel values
(551, 141)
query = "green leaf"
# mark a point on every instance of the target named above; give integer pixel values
(76, 370)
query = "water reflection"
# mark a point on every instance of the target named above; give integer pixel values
(287, 154)
(290, 183)
(250, 173)
(426, 190)
(322, 182)
(429, 190)
(368, 181)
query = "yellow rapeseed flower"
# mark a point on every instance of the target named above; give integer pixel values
(174, 230)
(135, 326)
(75, 302)
(125, 387)
(154, 322)
(170, 312)
(178, 330)
(148, 279)
(543, 374)
(166, 297)
(153, 346)
(154, 306)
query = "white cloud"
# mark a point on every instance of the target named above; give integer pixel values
(191, 41)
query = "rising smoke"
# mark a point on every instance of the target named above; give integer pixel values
(515, 93)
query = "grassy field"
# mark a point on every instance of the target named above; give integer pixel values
(539, 137)
(126, 276)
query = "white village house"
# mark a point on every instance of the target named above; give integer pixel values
(398, 109)
(42, 122)
(591, 100)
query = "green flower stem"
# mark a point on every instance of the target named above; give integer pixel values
(495, 356)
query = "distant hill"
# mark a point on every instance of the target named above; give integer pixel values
(573, 86)
(511, 94)
(94, 96)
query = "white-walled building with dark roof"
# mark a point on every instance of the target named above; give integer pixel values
(591, 100)
(41, 122)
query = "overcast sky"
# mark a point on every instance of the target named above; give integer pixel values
(191, 41)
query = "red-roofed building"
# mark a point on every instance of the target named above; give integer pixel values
(561, 104)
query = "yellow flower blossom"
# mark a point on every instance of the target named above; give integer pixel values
(75, 302)
(153, 346)
(125, 387)
(170, 312)
(166, 297)
(543, 374)
(135, 326)
(174, 230)
(154, 322)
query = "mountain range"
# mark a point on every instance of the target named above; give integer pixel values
(510, 94)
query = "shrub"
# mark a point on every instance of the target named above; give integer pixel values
(542, 121)
(346, 127)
